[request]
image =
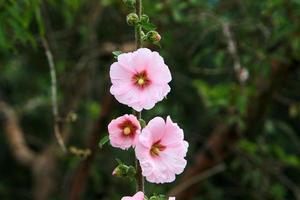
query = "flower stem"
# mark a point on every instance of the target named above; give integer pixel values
(139, 43)
(138, 29)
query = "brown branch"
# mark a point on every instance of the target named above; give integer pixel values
(231, 45)
(15, 136)
(44, 173)
(196, 179)
(56, 126)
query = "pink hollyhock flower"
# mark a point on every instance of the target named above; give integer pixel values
(124, 131)
(140, 79)
(161, 150)
(137, 196)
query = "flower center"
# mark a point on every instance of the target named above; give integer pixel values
(156, 149)
(127, 130)
(141, 79)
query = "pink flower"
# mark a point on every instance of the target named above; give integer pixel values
(137, 196)
(140, 79)
(171, 198)
(161, 150)
(124, 131)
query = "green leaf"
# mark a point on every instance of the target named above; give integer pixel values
(148, 26)
(116, 54)
(103, 141)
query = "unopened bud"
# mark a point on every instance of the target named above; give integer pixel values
(144, 18)
(120, 170)
(132, 19)
(153, 36)
(125, 171)
(117, 172)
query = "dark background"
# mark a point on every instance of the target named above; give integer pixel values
(243, 134)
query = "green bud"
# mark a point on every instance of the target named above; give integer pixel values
(153, 36)
(129, 3)
(120, 170)
(124, 171)
(132, 19)
(144, 18)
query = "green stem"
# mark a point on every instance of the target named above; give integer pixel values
(138, 29)
(139, 43)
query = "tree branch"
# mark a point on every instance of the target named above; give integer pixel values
(56, 126)
(196, 179)
(15, 136)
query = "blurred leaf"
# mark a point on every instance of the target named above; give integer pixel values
(103, 141)
(116, 54)
(148, 26)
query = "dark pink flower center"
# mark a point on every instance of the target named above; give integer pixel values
(128, 128)
(157, 148)
(141, 79)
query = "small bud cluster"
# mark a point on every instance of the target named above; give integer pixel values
(133, 19)
(124, 171)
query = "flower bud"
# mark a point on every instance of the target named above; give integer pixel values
(129, 3)
(117, 172)
(153, 36)
(124, 171)
(144, 18)
(120, 170)
(132, 19)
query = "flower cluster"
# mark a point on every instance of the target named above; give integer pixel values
(140, 80)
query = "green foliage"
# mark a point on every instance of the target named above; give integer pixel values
(103, 141)
(205, 91)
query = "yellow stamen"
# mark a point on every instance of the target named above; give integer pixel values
(141, 81)
(155, 151)
(126, 131)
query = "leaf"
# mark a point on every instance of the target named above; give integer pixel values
(148, 26)
(116, 54)
(103, 141)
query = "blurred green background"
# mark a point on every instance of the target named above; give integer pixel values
(235, 92)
